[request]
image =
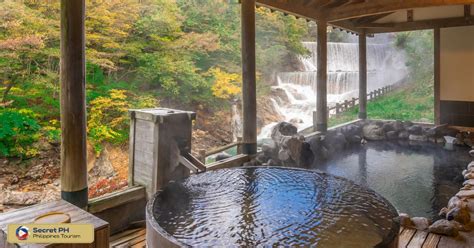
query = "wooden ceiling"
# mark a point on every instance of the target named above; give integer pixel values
(367, 16)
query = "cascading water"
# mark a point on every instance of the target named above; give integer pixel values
(385, 66)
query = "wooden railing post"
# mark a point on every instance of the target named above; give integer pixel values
(73, 103)
(249, 90)
(321, 85)
(362, 76)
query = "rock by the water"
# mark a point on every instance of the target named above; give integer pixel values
(454, 202)
(283, 129)
(222, 156)
(315, 143)
(407, 124)
(443, 213)
(373, 132)
(403, 135)
(420, 223)
(405, 220)
(444, 227)
(334, 141)
(470, 165)
(459, 214)
(398, 126)
(387, 127)
(269, 148)
(469, 176)
(466, 193)
(262, 158)
(415, 129)
(420, 138)
(392, 135)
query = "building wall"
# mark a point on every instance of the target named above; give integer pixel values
(457, 76)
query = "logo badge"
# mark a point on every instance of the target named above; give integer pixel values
(22, 233)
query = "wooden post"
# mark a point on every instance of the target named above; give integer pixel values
(362, 76)
(338, 106)
(437, 76)
(249, 95)
(321, 86)
(73, 104)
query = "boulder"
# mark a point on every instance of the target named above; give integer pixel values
(270, 149)
(398, 126)
(444, 227)
(407, 124)
(469, 175)
(403, 135)
(262, 158)
(470, 165)
(387, 127)
(295, 147)
(415, 129)
(373, 132)
(471, 153)
(405, 220)
(283, 129)
(466, 193)
(443, 213)
(392, 135)
(334, 141)
(420, 223)
(454, 202)
(315, 143)
(352, 133)
(222, 156)
(419, 138)
(459, 214)
(20, 198)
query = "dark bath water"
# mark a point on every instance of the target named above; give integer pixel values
(273, 206)
(416, 179)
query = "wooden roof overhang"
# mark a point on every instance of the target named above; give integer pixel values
(379, 16)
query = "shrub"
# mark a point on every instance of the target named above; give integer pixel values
(108, 119)
(18, 131)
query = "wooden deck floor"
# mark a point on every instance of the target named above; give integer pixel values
(131, 238)
(412, 238)
(409, 238)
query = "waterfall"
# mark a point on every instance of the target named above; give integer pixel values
(385, 66)
(236, 122)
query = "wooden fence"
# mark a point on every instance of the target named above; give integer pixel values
(348, 104)
(339, 108)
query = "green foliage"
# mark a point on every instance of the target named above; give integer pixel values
(411, 103)
(18, 131)
(137, 52)
(108, 119)
(418, 46)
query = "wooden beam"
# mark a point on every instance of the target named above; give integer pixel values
(417, 25)
(437, 75)
(382, 6)
(115, 199)
(410, 15)
(321, 87)
(362, 76)
(296, 8)
(467, 10)
(73, 104)
(234, 161)
(249, 90)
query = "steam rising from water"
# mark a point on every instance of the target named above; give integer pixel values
(385, 65)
